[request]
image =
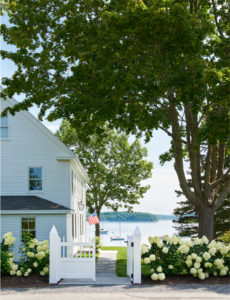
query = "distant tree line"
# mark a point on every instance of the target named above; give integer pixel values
(133, 217)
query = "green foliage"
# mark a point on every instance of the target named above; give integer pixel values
(128, 217)
(98, 244)
(198, 257)
(186, 222)
(138, 65)
(115, 167)
(225, 237)
(34, 256)
(7, 256)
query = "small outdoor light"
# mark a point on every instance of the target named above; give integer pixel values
(80, 205)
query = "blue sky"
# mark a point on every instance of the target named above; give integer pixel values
(161, 197)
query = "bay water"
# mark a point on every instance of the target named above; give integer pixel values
(147, 229)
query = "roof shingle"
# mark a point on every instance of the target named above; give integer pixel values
(29, 203)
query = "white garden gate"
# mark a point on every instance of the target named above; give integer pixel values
(71, 259)
(134, 256)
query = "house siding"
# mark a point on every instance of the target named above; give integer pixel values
(43, 223)
(27, 146)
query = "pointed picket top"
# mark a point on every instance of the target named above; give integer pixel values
(54, 230)
(137, 230)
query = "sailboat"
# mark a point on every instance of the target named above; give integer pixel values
(103, 230)
(117, 237)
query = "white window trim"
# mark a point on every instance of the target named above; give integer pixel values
(28, 180)
(5, 138)
(30, 217)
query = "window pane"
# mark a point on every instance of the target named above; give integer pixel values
(25, 224)
(38, 172)
(4, 121)
(4, 132)
(32, 172)
(35, 185)
(32, 223)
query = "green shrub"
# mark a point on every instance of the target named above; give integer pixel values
(7, 256)
(34, 256)
(98, 244)
(173, 256)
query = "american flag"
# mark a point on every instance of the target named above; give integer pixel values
(93, 219)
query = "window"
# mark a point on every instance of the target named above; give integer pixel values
(4, 127)
(74, 226)
(28, 225)
(35, 179)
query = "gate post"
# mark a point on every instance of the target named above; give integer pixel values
(137, 256)
(54, 256)
(94, 261)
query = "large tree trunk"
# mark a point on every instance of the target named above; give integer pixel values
(206, 221)
(97, 226)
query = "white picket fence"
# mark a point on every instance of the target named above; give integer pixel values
(71, 259)
(134, 256)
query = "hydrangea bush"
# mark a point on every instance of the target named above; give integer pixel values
(34, 256)
(7, 256)
(174, 256)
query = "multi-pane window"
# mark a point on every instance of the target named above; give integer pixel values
(74, 226)
(4, 127)
(28, 225)
(35, 179)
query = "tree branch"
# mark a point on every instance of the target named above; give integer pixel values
(176, 135)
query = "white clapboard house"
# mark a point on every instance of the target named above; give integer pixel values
(42, 181)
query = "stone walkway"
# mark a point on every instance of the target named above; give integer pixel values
(105, 272)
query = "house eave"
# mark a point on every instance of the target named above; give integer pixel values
(31, 212)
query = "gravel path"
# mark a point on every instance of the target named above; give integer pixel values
(96, 292)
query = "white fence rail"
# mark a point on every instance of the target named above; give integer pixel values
(134, 256)
(71, 259)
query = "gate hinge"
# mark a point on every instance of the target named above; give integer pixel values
(132, 244)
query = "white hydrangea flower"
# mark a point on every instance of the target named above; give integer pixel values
(152, 257)
(171, 267)
(188, 263)
(196, 265)
(205, 240)
(161, 276)
(197, 241)
(165, 250)
(12, 272)
(212, 251)
(147, 260)
(183, 249)
(201, 276)
(174, 240)
(154, 276)
(159, 269)
(40, 255)
(160, 244)
(194, 255)
(206, 256)
(199, 259)
(193, 271)
(144, 249)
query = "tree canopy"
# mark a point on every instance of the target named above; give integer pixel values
(116, 168)
(140, 65)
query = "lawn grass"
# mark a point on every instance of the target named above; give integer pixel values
(121, 263)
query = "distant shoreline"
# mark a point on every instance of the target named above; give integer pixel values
(134, 217)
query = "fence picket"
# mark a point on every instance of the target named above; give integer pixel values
(63, 262)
